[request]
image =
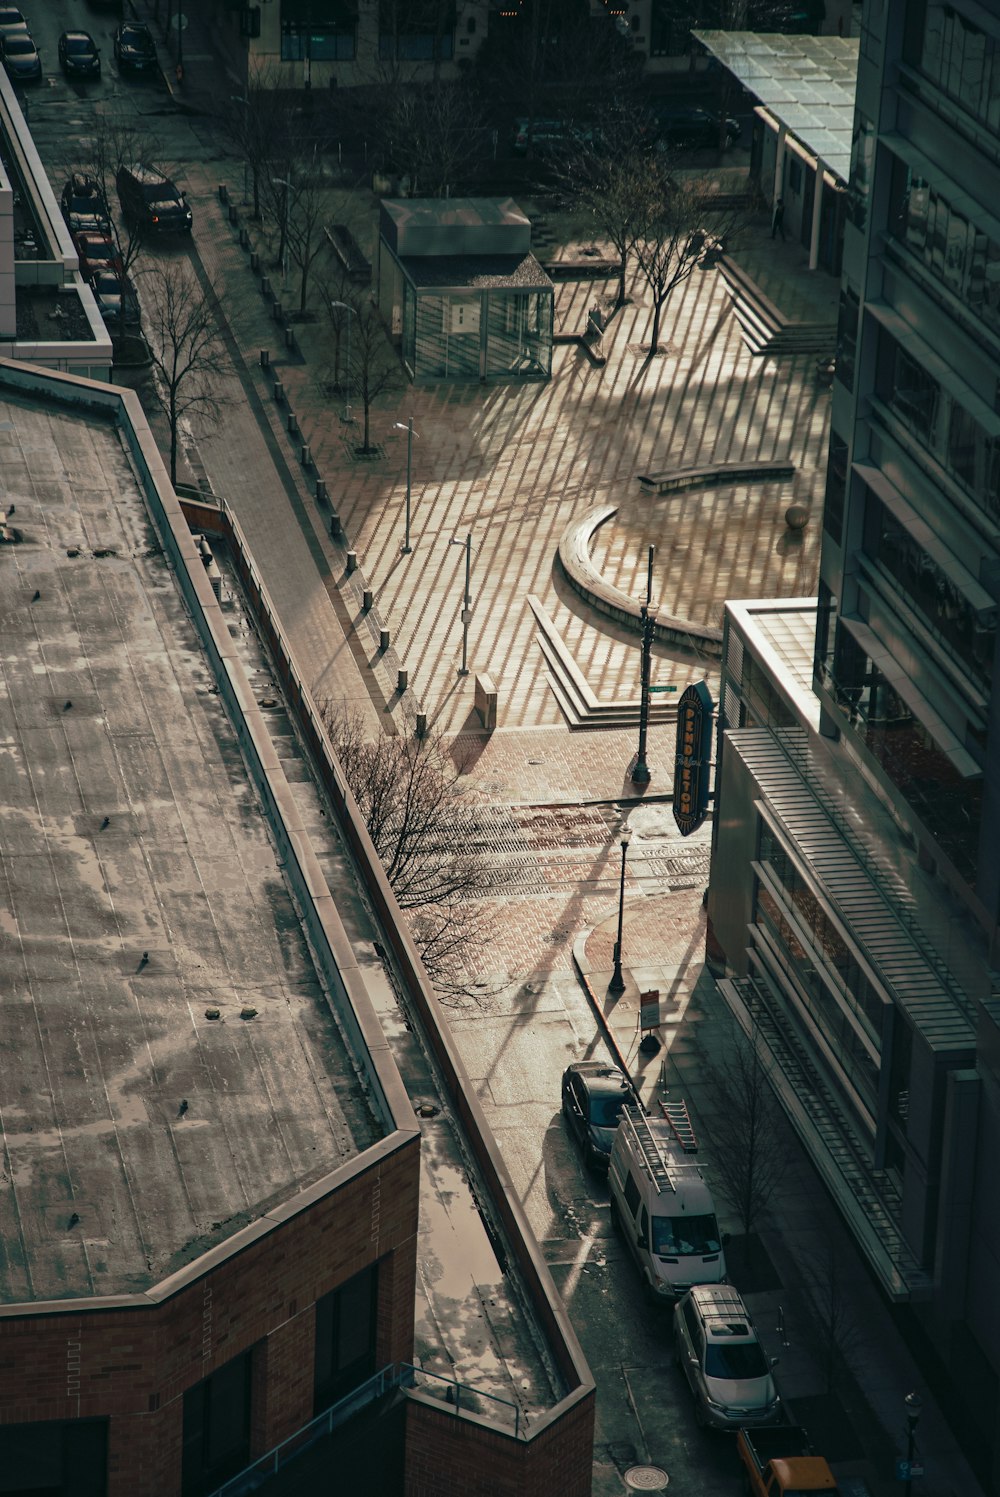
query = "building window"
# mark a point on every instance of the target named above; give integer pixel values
(420, 31)
(216, 1427)
(835, 500)
(969, 634)
(55, 1458)
(956, 55)
(318, 30)
(862, 162)
(914, 396)
(847, 336)
(947, 803)
(345, 1338)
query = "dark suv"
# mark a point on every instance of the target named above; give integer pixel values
(151, 201)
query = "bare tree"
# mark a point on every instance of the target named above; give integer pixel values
(306, 211)
(373, 367)
(834, 1335)
(118, 142)
(680, 218)
(258, 123)
(337, 291)
(432, 134)
(606, 182)
(749, 1154)
(423, 830)
(187, 357)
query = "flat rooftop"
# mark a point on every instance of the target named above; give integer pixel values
(139, 889)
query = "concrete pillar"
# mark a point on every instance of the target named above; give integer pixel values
(779, 167)
(817, 217)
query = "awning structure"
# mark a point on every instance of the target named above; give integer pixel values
(807, 83)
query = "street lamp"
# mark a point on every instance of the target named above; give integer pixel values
(410, 434)
(467, 609)
(344, 306)
(617, 983)
(914, 1406)
(640, 774)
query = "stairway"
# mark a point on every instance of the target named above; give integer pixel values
(765, 329)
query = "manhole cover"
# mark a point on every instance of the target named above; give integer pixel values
(646, 1479)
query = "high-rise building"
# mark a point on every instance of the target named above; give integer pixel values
(856, 879)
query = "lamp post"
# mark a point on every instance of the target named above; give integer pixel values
(467, 609)
(914, 1405)
(640, 774)
(406, 548)
(617, 983)
(344, 306)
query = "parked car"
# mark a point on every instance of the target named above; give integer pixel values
(97, 252)
(20, 57)
(593, 1095)
(84, 206)
(151, 201)
(78, 55)
(549, 137)
(11, 20)
(689, 125)
(116, 298)
(723, 1361)
(134, 46)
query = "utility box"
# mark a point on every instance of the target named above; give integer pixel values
(486, 701)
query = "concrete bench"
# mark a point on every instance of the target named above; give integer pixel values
(674, 480)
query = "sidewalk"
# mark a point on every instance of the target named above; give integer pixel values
(859, 1424)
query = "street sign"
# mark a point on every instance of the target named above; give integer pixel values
(693, 758)
(649, 1009)
(662, 688)
(908, 1470)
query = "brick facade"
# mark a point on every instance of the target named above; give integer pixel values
(451, 1456)
(133, 1364)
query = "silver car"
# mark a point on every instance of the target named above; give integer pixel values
(724, 1363)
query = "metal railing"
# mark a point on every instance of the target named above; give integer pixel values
(462, 1397)
(254, 1475)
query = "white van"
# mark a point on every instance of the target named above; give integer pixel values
(663, 1207)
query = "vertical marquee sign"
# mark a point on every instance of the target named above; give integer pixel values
(693, 758)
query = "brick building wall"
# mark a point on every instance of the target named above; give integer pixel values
(448, 1455)
(133, 1362)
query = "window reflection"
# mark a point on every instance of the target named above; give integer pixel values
(945, 801)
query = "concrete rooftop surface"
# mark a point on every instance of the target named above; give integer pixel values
(138, 889)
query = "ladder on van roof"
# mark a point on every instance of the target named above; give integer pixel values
(676, 1114)
(635, 1122)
